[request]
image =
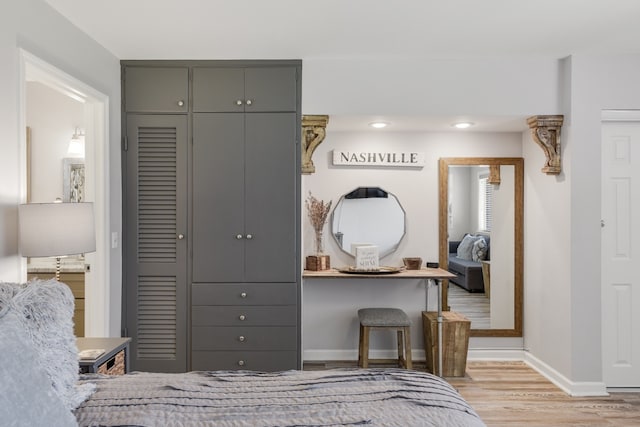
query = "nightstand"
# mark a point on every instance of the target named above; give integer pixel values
(114, 360)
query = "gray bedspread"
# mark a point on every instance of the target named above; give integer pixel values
(345, 397)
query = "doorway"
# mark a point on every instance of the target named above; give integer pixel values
(96, 120)
(620, 236)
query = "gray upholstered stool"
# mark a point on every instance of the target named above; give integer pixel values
(385, 318)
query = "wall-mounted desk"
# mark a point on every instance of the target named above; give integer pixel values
(426, 274)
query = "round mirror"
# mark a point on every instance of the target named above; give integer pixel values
(368, 216)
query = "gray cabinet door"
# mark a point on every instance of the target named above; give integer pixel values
(218, 89)
(244, 197)
(156, 89)
(218, 198)
(270, 196)
(155, 257)
(270, 89)
(254, 89)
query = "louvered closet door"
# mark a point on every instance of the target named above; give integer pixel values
(156, 245)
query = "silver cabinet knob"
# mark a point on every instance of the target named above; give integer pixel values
(242, 317)
(239, 102)
(241, 338)
(249, 102)
(180, 236)
(240, 362)
(239, 236)
(243, 295)
(181, 103)
(249, 236)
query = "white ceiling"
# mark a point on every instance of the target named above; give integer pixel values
(303, 29)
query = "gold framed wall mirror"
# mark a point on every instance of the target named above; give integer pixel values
(481, 201)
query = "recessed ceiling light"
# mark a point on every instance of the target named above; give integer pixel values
(462, 125)
(378, 125)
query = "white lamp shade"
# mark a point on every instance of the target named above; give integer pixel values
(56, 229)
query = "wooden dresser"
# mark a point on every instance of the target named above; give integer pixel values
(75, 281)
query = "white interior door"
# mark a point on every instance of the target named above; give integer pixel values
(620, 260)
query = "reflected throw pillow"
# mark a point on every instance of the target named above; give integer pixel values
(466, 246)
(479, 250)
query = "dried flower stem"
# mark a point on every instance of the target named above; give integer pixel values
(318, 212)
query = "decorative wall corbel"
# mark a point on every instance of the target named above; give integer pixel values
(546, 133)
(313, 133)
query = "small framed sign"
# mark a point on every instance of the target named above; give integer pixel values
(378, 158)
(367, 258)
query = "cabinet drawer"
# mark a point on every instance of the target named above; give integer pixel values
(229, 315)
(256, 360)
(244, 338)
(244, 294)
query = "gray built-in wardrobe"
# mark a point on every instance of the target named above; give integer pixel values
(212, 214)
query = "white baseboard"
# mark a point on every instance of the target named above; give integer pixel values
(572, 388)
(504, 354)
(324, 355)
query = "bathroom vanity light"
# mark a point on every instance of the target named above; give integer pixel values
(76, 144)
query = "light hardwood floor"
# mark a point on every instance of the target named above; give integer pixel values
(513, 394)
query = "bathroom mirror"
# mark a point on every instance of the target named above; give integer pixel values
(481, 223)
(368, 215)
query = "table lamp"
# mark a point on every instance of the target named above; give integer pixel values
(56, 230)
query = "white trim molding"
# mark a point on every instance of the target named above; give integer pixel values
(494, 354)
(621, 115)
(572, 388)
(350, 355)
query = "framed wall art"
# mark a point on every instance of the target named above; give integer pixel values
(73, 180)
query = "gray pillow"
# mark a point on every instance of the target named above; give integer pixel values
(45, 311)
(479, 250)
(466, 246)
(27, 397)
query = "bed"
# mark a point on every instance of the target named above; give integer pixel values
(379, 397)
(41, 385)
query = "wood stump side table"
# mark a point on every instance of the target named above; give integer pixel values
(455, 342)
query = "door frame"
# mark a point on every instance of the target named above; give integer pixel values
(96, 116)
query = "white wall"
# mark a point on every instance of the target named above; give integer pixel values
(562, 220)
(597, 83)
(500, 86)
(330, 306)
(33, 26)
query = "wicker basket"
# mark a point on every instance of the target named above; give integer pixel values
(113, 366)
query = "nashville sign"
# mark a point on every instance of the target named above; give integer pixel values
(375, 158)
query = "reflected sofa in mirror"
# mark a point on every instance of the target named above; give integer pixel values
(370, 216)
(481, 241)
